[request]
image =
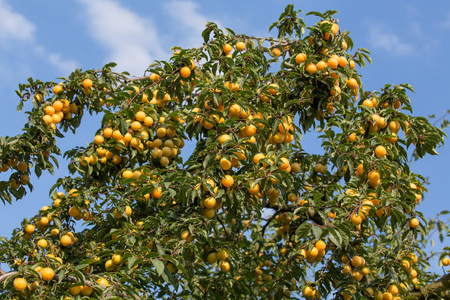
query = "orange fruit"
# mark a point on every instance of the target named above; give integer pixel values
(225, 164)
(333, 63)
(210, 202)
(227, 48)
(414, 222)
(42, 243)
(276, 52)
(358, 261)
(253, 189)
(223, 138)
(47, 274)
(57, 89)
(225, 266)
(87, 83)
(185, 72)
(343, 61)
(240, 46)
(227, 181)
(356, 219)
(157, 193)
(29, 229)
(86, 290)
(374, 178)
(320, 245)
(394, 126)
(258, 157)
(50, 110)
(66, 240)
(20, 284)
(299, 58)
(136, 126)
(74, 291)
(221, 255)
(103, 281)
(307, 291)
(98, 139)
(57, 105)
(154, 77)
(393, 289)
(380, 151)
(368, 103)
(311, 68)
(352, 83)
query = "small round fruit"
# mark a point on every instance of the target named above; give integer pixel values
(225, 266)
(209, 213)
(185, 72)
(87, 83)
(352, 83)
(414, 222)
(221, 255)
(74, 291)
(227, 48)
(20, 284)
(311, 68)
(86, 290)
(103, 281)
(211, 258)
(116, 259)
(227, 181)
(30, 228)
(299, 58)
(320, 245)
(210, 202)
(380, 151)
(47, 274)
(240, 46)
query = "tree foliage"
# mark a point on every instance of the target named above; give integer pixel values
(248, 213)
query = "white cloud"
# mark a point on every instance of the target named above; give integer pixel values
(192, 26)
(66, 65)
(14, 27)
(132, 41)
(17, 30)
(383, 39)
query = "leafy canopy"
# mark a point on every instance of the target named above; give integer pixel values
(248, 213)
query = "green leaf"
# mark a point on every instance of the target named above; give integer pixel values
(302, 231)
(317, 231)
(123, 127)
(159, 266)
(335, 237)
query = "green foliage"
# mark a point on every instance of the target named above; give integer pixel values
(168, 218)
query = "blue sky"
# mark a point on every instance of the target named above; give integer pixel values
(48, 39)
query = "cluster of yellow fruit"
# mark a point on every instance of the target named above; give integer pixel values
(112, 263)
(220, 255)
(60, 109)
(227, 48)
(316, 253)
(357, 268)
(209, 203)
(20, 179)
(311, 292)
(164, 147)
(44, 220)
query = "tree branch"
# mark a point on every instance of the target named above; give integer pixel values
(441, 288)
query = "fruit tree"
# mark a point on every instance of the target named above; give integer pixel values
(246, 213)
